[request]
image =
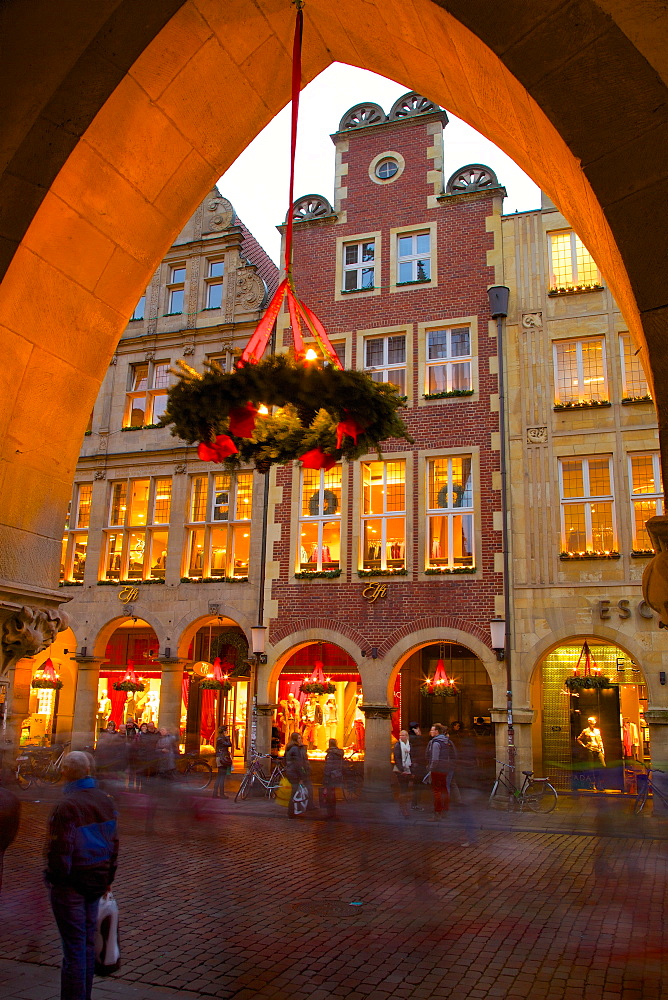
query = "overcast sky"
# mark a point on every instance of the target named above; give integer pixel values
(257, 183)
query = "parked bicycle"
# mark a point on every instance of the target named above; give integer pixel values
(353, 777)
(195, 770)
(257, 777)
(647, 787)
(537, 794)
(40, 765)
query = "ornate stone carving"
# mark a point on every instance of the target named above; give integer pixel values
(377, 711)
(153, 302)
(180, 468)
(149, 356)
(537, 435)
(220, 214)
(100, 474)
(188, 349)
(532, 321)
(362, 115)
(191, 320)
(474, 177)
(214, 609)
(250, 290)
(114, 360)
(411, 104)
(30, 631)
(655, 577)
(311, 206)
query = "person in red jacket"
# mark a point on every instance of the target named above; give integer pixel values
(440, 758)
(81, 855)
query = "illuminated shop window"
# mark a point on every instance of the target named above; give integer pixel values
(383, 534)
(571, 264)
(580, 371)
(413, 258)
(218, 534)
(146, 400)
(176, 289)
(358, 265)
(449, 360)
(319, 546)
(634, 383)
(385, 359)
(214, 284)
(75, 539)
(136, 534)
(646, 495)
(449, 537)
(587, 505)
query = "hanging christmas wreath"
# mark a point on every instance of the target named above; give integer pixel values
(46, 683)
(211, 684)
(323, 413)
(318, 687)
(438, 691)
(129, 686)
(443, 495)
(578, 683)
(330, 503)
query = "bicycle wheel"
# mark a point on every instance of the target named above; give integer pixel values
(641, 799)
(198, 774)
(493, 795)
(353, 784)
(50, 775)
(23, 778)
(540, 797)
(245, 787)
(274, 782)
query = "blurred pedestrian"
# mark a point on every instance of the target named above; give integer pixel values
(440, 759)
(332, 777)
(223, 762)
(401, 755)
(110, 753)
(81, 853)
(418, 744)
(10, 814)
(296, 768)
(167, 749)
(147, 755)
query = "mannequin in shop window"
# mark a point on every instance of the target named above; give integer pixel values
(290, 712)
(590, 738)
(311, 721)
(630, 739)
(330, 717)
(359, 731)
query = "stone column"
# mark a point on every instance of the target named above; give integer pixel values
(377, 746)
(657, 719)
(85, 702)
(523, 719)
(265, 718)
(18, 706)
(169, 714)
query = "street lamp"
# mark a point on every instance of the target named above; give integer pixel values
(497, 630)
(500, 628)
(258, 633)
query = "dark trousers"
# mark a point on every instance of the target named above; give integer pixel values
(76, 919)
(329, 800)
(439, 785)
(219, 787)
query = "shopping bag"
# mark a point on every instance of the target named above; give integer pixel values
(107, 942)
(283, 792)
(300, 801)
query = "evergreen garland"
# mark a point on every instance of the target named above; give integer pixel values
(312, 400)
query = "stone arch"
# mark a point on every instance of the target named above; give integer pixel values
(126, 162)
(404, 647)
(184, 631)
(281, 652)
(103, 632)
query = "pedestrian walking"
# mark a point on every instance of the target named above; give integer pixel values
(223, 762)
(401, 755)
(10, 815)
(440, 759)
(418, 744)
(81, 853)
(296, 769)
(167, 749)
(332, 777)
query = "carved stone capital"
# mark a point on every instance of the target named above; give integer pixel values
(655, 577)
(378, 711)
(28, 632)
(266, 709)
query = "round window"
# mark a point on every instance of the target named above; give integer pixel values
(386, 169)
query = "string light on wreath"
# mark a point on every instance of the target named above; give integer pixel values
(130, 682)
(46, 678)
(316, 683)
(302, 405)
(591, 676)
(440, 685)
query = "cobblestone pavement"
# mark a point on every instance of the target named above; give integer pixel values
(237, 901)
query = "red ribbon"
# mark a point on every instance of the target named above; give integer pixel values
(349, 428)
(48, 670)
(242, 420)
(221, 449)
(299, 312)
(317, 459)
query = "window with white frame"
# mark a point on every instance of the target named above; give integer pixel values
(448, 361)
(340, 351)
(646, 495)
(587, 505)
(214, 284)
(383, 534)
(579, 371)
(449, 537)
(139, 309)
(137, 529)
(146, 399)
(320, 520)
(413, 257)
(218, 534)
(571, 264)
(385, 359)
(75, 539)
(359, 266)
(176, 289)
(634, 383)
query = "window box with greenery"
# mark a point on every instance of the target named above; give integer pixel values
(214, 579)
(449, 570)
(627, 400)
(382, 572)
(573, 289)
(589, 554)
(582, 404)
(451, 394)
(642, 553)
(318, 574)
